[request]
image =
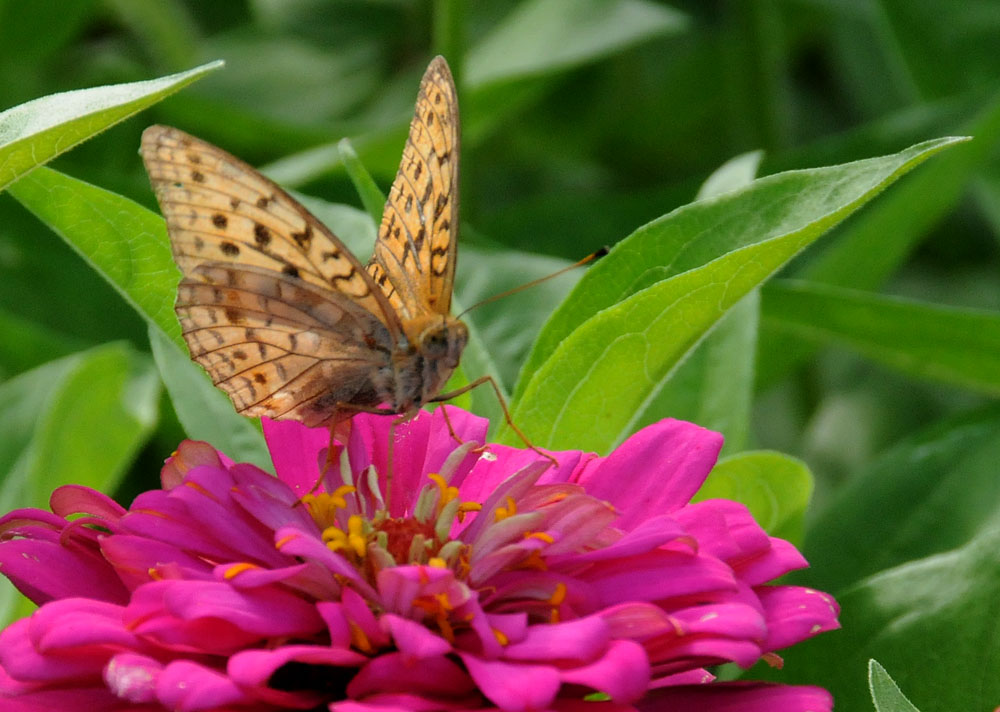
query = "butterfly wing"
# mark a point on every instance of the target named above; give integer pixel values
(219, 209)
(415, 252)
(277, 310)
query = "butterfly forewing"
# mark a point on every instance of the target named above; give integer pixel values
(219, 209)
(414, 259)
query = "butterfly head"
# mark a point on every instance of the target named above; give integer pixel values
(442, 340)
(438, 343)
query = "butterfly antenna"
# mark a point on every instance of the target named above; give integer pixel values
(589, 258)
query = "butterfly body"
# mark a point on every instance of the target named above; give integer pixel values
(278, 311)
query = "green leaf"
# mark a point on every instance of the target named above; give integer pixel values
(206, 412)
(38, 131)
(931, 620)
(948, 344)
(77, 420)
(943, 480)
(775, 487)
(714, 385)
(544, 36)
(638, 312)
(165, 28)
(734, 174)
(450, 34)
(368, 190)
(27, 344)
(126, 243)
(80, 419)
(886, 695)
(896, 225)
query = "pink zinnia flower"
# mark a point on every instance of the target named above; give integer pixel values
(480, 578)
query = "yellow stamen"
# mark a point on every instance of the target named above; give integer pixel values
(355, 535)
(284, 540)
(437, 562)
(501, 638)
(510, 510)
(358, 638)
(447, 632)
(533, 561)
(154, 573)
(337, 496)
(559, 595)
(556, 600)
(465, 507)
(547, 538)
(198, 488)
(442, 599)
(236, 569)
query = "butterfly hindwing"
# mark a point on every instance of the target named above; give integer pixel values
(276, 346)
(415, 252)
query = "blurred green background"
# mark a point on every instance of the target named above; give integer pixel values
(582, 120)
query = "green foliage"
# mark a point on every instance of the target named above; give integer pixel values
(36, 132)
(583, 124)
(885, 694)
(775, 487)
(633, 318)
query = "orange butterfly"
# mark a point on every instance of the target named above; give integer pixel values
(277, 310)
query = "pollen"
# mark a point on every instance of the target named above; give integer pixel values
(354, 540)
(547, 538)
(556, 600)
(510, 510)
(323, 507)
(236, 569)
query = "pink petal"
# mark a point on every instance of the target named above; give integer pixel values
(796, 613)
(658, 575)
(185, 686)
(190, 454)
(66, 572)
(20, 659)
(739, 697)
(514, 687)
(622, 672)
(133, 677)
(396, 673)
(76, 499)
(582, 640)
(413, 639)
(680, 454)
(294, 449)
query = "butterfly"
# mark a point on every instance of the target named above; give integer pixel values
(279, 312)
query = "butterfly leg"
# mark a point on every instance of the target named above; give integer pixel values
(503, 405)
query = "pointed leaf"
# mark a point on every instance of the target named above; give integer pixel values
(714, 385)
(603, 355)
(542, 36)
(948, 344)
(885, 693)
(38, 131)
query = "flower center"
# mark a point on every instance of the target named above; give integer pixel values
(377, 541)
